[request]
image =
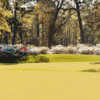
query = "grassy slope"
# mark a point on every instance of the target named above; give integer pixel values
(61, 58)
(49, 81)
(73, 58)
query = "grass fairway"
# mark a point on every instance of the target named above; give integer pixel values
(50, 81)
(72, 58)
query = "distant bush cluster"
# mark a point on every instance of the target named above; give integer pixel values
(78, 49)
(26, 50)
(25, 59)
(33, 59)
(60, 49)
(32, 54)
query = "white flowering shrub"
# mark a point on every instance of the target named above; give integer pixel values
(34, 50)
(59, 49)
(43, 50)
(97, 51)
(71, 50)
(98, 45)
(83, 50)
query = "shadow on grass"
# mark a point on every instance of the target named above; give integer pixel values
(91, 70)
(95, 63)
(8, 63)
(9, 60)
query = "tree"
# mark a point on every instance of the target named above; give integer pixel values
(58, 8)
(51, 10)
(55, 20)
(4, 4)
(92, 23)
(77, 2)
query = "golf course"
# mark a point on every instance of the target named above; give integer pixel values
(49, 49)
(51, 81)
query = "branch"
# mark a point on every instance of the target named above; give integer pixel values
(66, 9)
(66, 21)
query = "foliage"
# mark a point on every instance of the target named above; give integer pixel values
(9, 59)
(52, 58)
(4, 3)
(41, 58)
(51, 22)
(34, 59)
(24, 59)
(4, 15)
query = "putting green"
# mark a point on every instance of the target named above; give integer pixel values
(50, 81)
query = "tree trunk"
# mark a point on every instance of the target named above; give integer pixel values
(52, 29)
(38, 30)
(6, 37)
(51, 34)
(50, 40)
(14, 26)
(21, 37)
(82, 40)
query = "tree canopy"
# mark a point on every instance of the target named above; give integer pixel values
(50, 22)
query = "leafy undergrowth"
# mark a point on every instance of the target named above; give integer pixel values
(34, 59)
(24, 59)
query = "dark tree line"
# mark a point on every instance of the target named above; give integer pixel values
(49, 22)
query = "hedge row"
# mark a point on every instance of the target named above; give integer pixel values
(24, 59)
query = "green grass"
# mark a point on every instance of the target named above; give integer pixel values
(73, 78)
(62, 58)
(49, 81)
(57, 58)
(73, 58)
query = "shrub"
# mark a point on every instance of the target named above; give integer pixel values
(11, 59)
(83, 50)
(27, 59)
(97, 51)
(81, 45)
(41, 58)
(43, 50)
(33, 51)
(98, 45)
(34, 59)
(71, 50)
(59, 49)
(91, 50)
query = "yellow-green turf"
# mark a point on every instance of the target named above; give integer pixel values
(51, 81)
(72, 58)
